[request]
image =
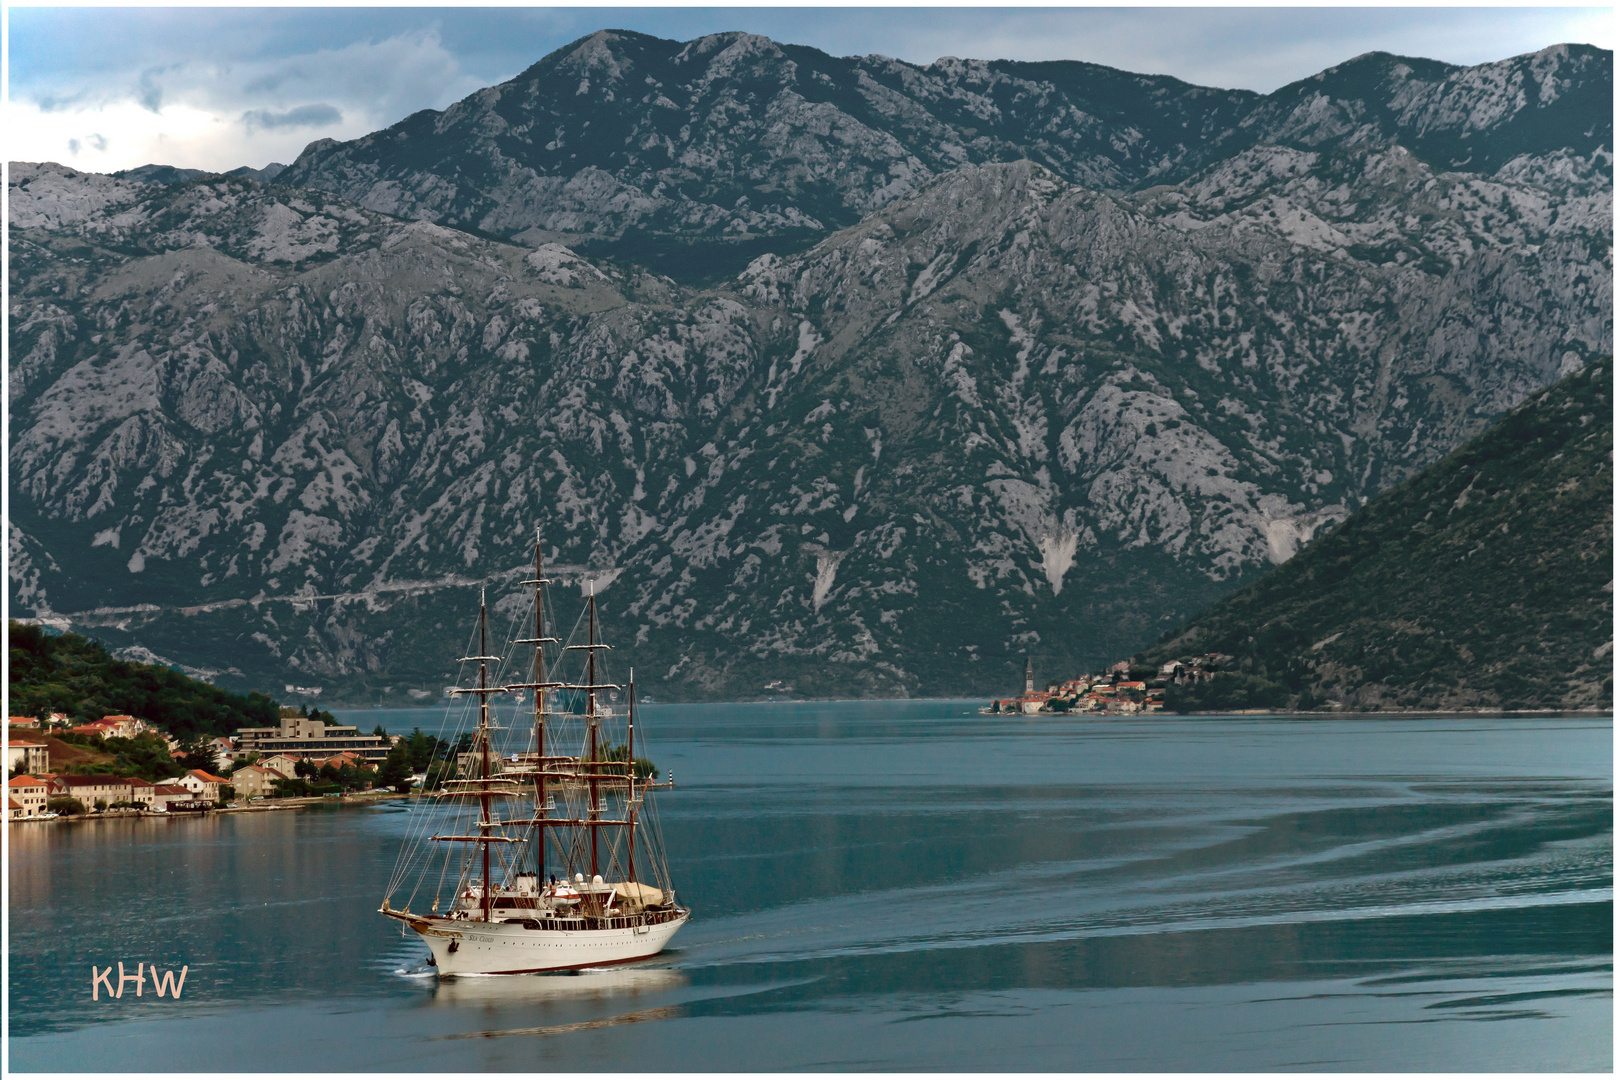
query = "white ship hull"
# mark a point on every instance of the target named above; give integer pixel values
(466, 947)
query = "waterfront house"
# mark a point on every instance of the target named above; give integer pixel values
(91, 787)
(140, 791)
(29, 755)
(166, 795)
(30, 795)
(253, 781)
(203, 785)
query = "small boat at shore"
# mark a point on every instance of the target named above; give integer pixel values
(550, 857)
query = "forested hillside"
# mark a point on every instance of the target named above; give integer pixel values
(1483, 582)
(71, 674)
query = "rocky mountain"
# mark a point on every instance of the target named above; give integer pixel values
(694, 157)
(1486, 581)
(280, 437)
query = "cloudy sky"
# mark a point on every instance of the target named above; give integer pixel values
(214, 88)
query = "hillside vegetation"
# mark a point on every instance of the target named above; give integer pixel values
(77, 676)
(1483, 582)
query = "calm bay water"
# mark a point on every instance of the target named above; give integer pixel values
(887, 886)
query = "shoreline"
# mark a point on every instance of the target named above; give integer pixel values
(261, 807)
(978, 702)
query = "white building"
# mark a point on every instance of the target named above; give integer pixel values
(29, 793)
(29, 755)
(253, 781)
(202, 785)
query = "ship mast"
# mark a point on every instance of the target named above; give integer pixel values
(540, 686)
(630, 805)
(588, 767)
(594, 812)
(484, 783)
(483, 743)
(539, 713)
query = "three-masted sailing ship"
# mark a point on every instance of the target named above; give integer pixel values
(548, 858)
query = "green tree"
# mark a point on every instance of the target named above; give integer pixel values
(195, 753)
(304, 769)
(396, 768)
(145, 756)
(63, 804)
(645, 769)
(437, 774)
(421, 747)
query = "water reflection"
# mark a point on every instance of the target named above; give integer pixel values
(514, 990)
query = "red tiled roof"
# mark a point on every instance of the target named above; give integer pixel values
(25, 781)
(24, 742)
(170, 789)
(136, 781)
(207, 778)
(13, 804)
(91, 779)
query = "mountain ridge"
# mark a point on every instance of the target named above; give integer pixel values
(270, 430)
(776, 145)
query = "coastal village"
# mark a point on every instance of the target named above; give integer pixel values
(1121, 690)
(290, 760)
(308, 756)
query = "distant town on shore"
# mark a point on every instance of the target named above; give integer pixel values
(1123, 689)
(123, 764)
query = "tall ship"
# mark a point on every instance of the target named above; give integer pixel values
(542, 850)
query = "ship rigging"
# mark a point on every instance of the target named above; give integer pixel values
(566, 800)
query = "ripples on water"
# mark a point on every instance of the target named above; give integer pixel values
(908, 885)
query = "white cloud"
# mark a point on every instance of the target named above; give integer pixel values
(219, 114)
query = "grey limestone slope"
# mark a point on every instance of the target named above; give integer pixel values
(266, 432)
